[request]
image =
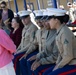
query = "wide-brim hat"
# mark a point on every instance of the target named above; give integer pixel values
(24, 13)
(55, 12)
(38, 14)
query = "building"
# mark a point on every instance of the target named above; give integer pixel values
(36, 4)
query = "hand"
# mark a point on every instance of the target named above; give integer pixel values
(24, 56)
(17, 52)
(56, 67)
(32, 58)
(35, 65)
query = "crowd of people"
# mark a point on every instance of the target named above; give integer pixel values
(26, 49)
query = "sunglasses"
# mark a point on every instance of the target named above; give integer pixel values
(3, 7)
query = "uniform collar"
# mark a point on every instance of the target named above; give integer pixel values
(59, 29)
(27, 26)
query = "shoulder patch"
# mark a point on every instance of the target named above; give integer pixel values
(66, 41)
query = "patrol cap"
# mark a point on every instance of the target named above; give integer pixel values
(24, 13)
(38, 14)
(55, 12)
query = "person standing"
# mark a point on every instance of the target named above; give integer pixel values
(7, 48)
(71, 12)
(6, 13)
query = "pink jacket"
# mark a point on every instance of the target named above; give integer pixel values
(7, 47)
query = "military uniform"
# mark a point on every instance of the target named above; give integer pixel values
(40, 39)
(66, 43)
(50, 51)
(48, 56)
(28, 35)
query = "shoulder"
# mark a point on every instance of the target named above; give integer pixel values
(19, 30)
(66, 30)
(66, 33)
(33, 26)
(3, 33)
(38, 31)
(10, 10)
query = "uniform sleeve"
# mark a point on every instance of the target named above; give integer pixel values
(33, 45)
(58, 59)
(67, 54)
(19, 47)
(51, 58)
(6, 42)
(32, 31)
(32, 48)
(40, 55)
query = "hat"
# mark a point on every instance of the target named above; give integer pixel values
(38, 14)
(24, 13)
(50, 8)
(45, 15)
(56, 12)
(74, 3)
(69, 4)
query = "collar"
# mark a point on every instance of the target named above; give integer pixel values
(59, 29)
(27, 26)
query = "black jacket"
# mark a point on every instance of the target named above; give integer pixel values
(10, 14)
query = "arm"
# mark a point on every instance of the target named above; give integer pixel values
(51, 58)
(10, 14)
(6, 42)
(67, 55)
(33, 46)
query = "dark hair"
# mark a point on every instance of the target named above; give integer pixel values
(3, 2)
(62, 19)
(18, 20)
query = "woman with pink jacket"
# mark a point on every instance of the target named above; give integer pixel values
(7, 48)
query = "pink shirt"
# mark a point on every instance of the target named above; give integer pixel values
(7, 47)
